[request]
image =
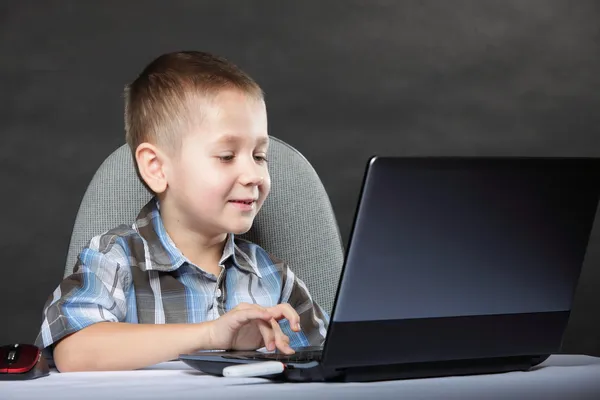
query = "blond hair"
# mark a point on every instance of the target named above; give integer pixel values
(162, 102)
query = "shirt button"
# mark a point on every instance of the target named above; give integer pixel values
(218, 293)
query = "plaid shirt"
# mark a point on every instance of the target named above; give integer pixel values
(136, 274)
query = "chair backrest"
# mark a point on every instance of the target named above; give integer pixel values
(296, 223)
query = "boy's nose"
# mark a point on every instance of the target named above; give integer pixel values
(250, 173)
(253, 179)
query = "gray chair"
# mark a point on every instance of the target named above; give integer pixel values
(296, 224)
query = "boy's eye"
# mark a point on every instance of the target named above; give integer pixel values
(260, 158)
(230, 157)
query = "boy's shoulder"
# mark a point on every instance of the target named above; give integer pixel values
(119, 244)
(121, 235)
(251, 254)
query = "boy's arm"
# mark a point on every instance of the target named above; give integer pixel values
(83, 322)
(313, 320)
(114, 346)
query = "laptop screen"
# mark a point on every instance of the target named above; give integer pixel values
(452, 237)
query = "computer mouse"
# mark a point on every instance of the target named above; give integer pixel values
(22, 362)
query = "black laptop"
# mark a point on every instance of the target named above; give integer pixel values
(454, 266)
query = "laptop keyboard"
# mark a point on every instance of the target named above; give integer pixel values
(301, 355)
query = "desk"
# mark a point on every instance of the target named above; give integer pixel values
(559, 377)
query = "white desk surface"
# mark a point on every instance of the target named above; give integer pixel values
(559, 377)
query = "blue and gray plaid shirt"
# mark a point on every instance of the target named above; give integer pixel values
(136, 274)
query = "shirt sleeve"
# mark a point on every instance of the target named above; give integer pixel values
(94, 292)
(313, 320)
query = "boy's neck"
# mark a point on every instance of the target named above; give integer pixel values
(201, 250)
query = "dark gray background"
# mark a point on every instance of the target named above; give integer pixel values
(344, 80)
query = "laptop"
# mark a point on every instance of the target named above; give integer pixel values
(454, 266)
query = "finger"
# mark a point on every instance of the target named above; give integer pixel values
(253, 312)
(267, 334)
(284, 310)
(281, 340)
(244, 316)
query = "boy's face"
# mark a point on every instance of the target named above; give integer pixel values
(219, 180)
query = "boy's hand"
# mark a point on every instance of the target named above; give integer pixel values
(250, 326)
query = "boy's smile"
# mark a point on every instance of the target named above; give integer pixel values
(244, 204)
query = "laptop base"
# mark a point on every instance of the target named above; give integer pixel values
(314, 371)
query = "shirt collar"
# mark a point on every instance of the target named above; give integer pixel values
(164, 255)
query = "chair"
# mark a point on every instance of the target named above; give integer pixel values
(296, 223)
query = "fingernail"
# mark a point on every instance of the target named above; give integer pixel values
(298, 326)
(271, 346)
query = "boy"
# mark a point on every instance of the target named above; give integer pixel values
(178, 280)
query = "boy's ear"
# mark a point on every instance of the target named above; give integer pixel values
(151, 163)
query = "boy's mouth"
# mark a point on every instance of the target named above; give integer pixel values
(244, 205)
(243, 201)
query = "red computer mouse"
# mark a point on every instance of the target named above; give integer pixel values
(21, 362)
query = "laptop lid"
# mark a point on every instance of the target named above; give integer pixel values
(462, 258)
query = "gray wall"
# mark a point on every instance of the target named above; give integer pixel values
(344, 80)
